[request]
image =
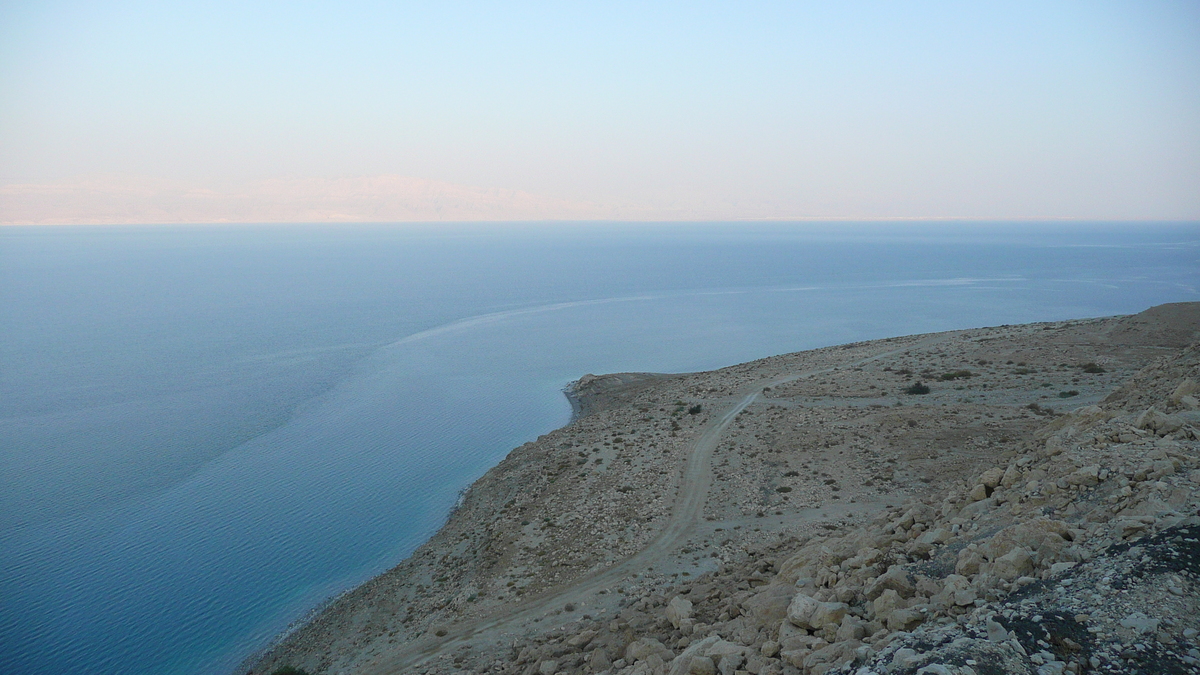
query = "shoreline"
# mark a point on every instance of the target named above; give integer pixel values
(497, 555)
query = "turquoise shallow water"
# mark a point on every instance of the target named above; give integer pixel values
(206, 431)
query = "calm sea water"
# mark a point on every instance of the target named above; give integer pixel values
(206, 431)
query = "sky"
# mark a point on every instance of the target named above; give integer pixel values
(309, 111)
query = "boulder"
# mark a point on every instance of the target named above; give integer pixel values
(904, 619)
(852, 628)
(693, 657)
(836, 654)
(991, 478)
(896, 578)
(1160, 423)
(977, 493)
(828, 613)
(599, 660)
(1185, 388)
(641, 649)
(957, 592)
(701, 665)
(969, 560)
(977, 508)
(906, 658)
(1087, 476)
(1044, 536)
(801, 609)
(885, 604)
(582, 639)
(794, 657)
(996, 632)
(1016, 563)
(810, 613)
(678, 610)
(1140, 623)
(728, 656)
(770, 604)
(1160, 469)
(1012, 476)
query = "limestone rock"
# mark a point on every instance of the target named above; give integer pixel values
(977, 493)
(957, 592)
(1185, 388)
(1012, 476)
(1158, 422)
(885, 604)
(1088, 476)
(678, 610)
(991, 478)
(1140, 623)
(904, 619)
(906, 658)
(896, 579)
(642, 649)
(807, 612)
(801, 610)
(969, 560)
(1016, 563)
(770, 604)
(852, 628)
(701, 665)
(599, 660)
(693, 657)
(836, 654)
(582, 639)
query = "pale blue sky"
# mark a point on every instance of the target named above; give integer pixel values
(1080, 109)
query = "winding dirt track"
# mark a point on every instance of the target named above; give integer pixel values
(686, 513)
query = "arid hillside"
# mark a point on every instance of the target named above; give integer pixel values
(1009, 499)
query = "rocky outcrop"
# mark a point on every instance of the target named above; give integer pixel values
(1078, 554)
(848, 528)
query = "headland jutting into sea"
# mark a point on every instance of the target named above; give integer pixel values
(1010, 499)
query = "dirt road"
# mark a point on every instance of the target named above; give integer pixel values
(686, 514)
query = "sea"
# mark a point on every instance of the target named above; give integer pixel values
(208, 431)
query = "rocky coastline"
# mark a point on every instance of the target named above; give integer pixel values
(1013, 499)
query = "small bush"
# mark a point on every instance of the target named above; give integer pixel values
(288, 670)
(918, 388)
(783, 488)
(694, 410)
(1039, 409)
(957, 375)
(1092, 368)
(1067, 394)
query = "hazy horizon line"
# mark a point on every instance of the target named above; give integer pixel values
(394, 198)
